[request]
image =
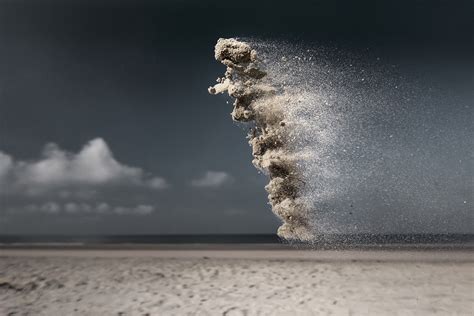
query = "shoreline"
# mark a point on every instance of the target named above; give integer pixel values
(453, 255)
(334, 246)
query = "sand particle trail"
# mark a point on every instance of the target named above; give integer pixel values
(257, 101)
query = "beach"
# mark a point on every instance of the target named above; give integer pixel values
(236, 281)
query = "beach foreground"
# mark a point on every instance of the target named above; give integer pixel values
(236, 282)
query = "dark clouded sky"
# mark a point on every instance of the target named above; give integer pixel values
(106, 125)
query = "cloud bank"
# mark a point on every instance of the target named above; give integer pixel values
(93, 166)
(102, 208)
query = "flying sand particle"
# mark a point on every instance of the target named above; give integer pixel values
(259, 102)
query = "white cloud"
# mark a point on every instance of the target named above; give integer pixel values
(50, 207)
(77, 193)
(71, 208)
(85, 208)
(212, 179)
(138, 210)
(144, 209)
(6, 164)
(103, 208)
(157, 183)
(58, 170)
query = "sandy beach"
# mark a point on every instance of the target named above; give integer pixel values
(236, 282)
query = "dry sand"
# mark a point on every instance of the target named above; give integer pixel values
(236, 282)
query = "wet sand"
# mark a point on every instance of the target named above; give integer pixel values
(257, 281)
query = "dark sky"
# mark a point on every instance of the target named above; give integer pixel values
(133, 75)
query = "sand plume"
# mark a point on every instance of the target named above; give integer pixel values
(257, 101)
